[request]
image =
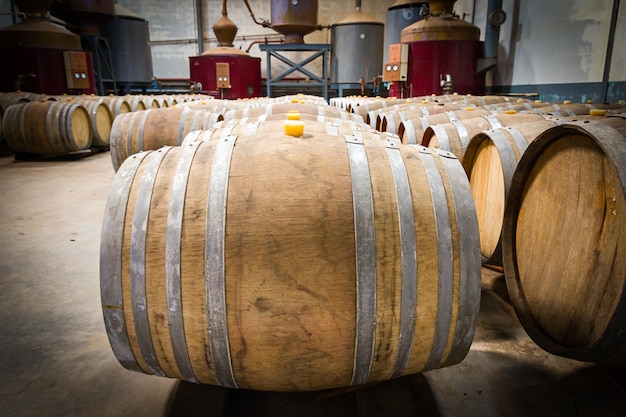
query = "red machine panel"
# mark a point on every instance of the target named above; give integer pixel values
(43, 70)
(244, 75)
(429, 61)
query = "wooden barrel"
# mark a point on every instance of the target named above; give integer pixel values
(47, 128)
(282, 108)
(274, 122)
(16, 97)
(117, 105)
(412, 130)
(151, 129)
(455, 136)
(337, 128)
(136, 102)
(364, 105)
(100, 116)
(290, 263)
(306, 98)
(391, 122)
(564, 240)
(489, 161)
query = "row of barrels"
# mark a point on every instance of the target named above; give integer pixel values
(135, 132)
(58, 125)
(550, 200)
(47, 125)
(242, 256)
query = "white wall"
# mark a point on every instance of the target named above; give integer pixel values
(553, 42)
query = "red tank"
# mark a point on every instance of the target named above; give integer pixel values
(443, 55)
(226, 72)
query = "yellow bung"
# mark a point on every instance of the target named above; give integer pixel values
(293, 127)
(293, 115)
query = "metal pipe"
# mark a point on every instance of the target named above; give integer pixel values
(200, 26)
(263, 42)
(263, 23)
(609, 52)
(492, 31)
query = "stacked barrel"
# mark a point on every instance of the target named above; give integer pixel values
(43, 125)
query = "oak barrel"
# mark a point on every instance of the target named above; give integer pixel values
(282, 263)
(489, 161)
(412, 130)
(117, 105)
(390, 122)
(100, 116)
(281, 108)
(153, 128)
(454, 137)
(564, 240)
(274, 123)
(47, 128)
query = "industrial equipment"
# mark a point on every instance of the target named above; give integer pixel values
(357, 49)
(128, 36)
(225, 71)
(291, 18)
(44, 57)
(443, 55)
(400, 15)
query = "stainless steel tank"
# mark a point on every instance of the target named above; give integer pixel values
(294, 18)
(400, 15)
(129, 42)
(357, 48)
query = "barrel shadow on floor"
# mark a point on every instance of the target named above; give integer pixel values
(406, 396)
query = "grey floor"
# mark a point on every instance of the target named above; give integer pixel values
(56, 360)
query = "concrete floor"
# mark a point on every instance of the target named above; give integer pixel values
(56, 360)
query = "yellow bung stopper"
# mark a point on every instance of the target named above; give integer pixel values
(567, 101)
(537, 101)
(620, 102)
(425, 101)
(470, 108)
(408, 101)
(589, 101)
(597, 112)
(295, 100)
(293, 127)
(377, 97)
(510, 111)
(455, 94)
(293, 115)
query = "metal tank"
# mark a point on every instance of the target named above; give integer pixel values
(44, 57)
(443, 52)
(357, 52)
(294, 18)
(128, 36)
(400, 15)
